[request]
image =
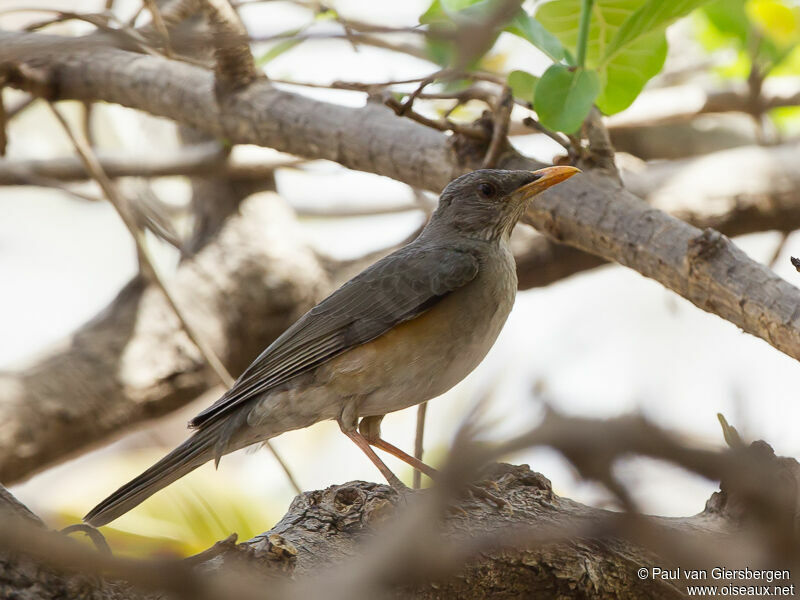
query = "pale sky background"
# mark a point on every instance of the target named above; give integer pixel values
(600, 344)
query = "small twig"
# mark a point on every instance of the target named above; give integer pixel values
(93, 534)
(472, 93)
(502, 115)
(576, 147)
(556, 137)
(160, 26)
(135, 16)
(463, 96)
(3, 120)
(101, 21)
(601, 151)
(418, 442)
(440, 125)
(86, 120)
(348, 31)
(776, 254)
(49, 182)
(350, 85)
(337, 36)
(94, 167)
(408, 103)
(175, 12)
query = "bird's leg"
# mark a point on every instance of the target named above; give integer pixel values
(370, 429)
(347, 423)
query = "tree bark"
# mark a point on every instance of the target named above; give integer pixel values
(360, 539)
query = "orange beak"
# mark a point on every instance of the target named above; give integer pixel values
(549, 177)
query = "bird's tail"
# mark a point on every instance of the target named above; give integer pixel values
(192, 453)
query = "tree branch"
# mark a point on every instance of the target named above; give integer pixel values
(657, 107)
(202, 160)
(360, 540)
(739, 191)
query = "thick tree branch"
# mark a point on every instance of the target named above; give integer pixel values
(739, 191)
(368, 139)
(360, 540)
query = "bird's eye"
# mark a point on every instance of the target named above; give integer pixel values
(486, 190)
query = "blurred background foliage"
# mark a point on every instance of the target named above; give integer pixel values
(758, 40)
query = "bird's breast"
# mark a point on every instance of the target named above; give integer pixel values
(426, 356)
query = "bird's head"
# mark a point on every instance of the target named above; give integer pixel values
(486, 204)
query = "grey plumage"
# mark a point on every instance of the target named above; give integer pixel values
(357, 350)
(192, 453)
(395, 289)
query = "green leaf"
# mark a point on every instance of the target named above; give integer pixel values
(653, 15)
(728, 17)
(326, 15)
(560, 17)
(787, 120)
(776, 20)
(523, 85)
(283, 46)
(729, 432)
(453, 6)
(564, 97)
(448, 11)
(439, 51)
(446, 19)
(625, 75)
(434, 14)
(790, 65)
(528, 28)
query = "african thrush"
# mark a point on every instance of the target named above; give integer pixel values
(401, 332)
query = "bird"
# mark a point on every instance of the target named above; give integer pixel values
(403, 331)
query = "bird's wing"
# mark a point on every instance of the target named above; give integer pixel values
(393, 290)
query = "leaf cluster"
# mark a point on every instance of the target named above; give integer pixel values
(606, 63)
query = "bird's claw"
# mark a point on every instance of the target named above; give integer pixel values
(456, 510)
(479, 491)
(488, 483)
